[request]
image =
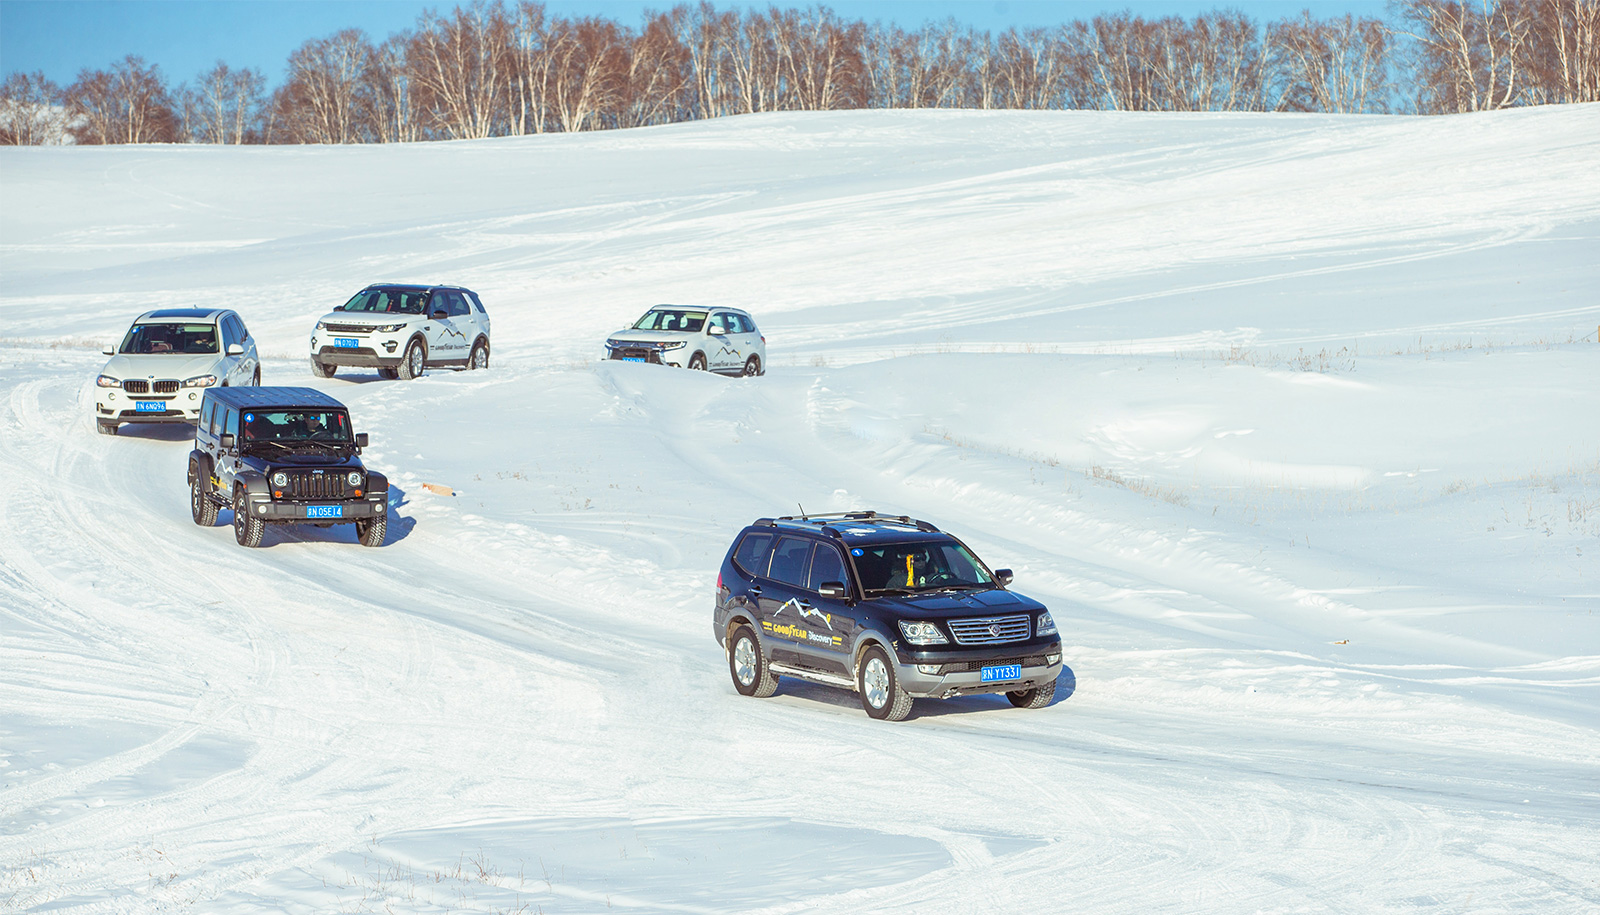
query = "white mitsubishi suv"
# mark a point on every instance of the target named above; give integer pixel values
(722, 340)
(402, 330)
(166, 362)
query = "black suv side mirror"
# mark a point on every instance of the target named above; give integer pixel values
(1003, 576)
(227, 441)
(361, 439)
(834, 589)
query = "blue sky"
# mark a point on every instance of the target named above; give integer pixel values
(185, 37)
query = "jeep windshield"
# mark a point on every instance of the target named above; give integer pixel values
(170, 339)
(297, 430)
(671, 319)
(926, 565)
(389, 301)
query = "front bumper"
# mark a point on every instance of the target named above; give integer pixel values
(645, 353)
(113, 405)
(943, 674)
(372, 353)
(298, 512)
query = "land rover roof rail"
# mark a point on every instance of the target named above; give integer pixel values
(857, 517)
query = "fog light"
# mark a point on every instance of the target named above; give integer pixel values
(390, 345)
(261, 509)
(378, 508)
(193, 396)
(928, 669)
(1053, 657)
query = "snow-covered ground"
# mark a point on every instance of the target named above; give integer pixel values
(1294, 422)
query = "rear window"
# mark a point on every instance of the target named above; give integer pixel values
(751, 556)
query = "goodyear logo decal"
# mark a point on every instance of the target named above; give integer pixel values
(795, 633)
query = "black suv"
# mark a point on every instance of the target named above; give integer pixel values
(890, 607)
(283, 455)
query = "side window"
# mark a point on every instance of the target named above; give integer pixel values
(238, 328)
(789, 560)
(228, 338)
(477, 302)
(747, 326)
(826, 565)
(751, 556)
(455, 305)
(230, 422)
(207, 406)
(736, 325)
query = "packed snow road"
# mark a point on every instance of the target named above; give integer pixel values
(1330, 622)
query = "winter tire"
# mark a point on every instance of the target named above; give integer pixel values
(752, 366)
(390, 374)
(697, 362)
(104, 427)
(322, 370)
(881, 694)
(414, 361)
(751, 675)
(201, 506)
(246, 529)
(370, 532)
(1038, 697)
(480, 355)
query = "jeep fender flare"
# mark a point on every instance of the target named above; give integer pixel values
(377, 483)
(199, 468)
(252, 482)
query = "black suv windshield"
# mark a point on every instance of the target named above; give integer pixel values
(390, 301)
(183, 339)
(927, 565)
(669, 319)
(290, 427)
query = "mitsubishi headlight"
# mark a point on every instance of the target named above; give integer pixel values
(919, 632)
(280, 479)
(680, 344)
(354, 478)
(106, 381)
(200, 381)
(390, 328)
(1047, 626)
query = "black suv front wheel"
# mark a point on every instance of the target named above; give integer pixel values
(372, 531)
(881, 694)
(1038, 697)
(246, 530)
(751, 675)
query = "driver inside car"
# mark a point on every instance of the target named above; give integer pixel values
(909, 570)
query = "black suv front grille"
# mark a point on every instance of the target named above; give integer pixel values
(316, 486)
(989, 630)
(962, 667)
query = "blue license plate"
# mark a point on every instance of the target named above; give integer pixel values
(1002, 672)
(324, 511)
(634, 359)
(346, 342)
(151, 406)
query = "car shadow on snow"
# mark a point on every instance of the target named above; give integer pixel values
(1066, 685)
(400, 527)
(157, 432)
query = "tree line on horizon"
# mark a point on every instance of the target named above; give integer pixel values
(491, 69)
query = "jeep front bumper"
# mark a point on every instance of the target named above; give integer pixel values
(303, 512)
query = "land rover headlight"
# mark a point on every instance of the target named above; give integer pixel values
(678, 344)
(1047, 626)
(919, 632)
(280, 479)
(354, 478)
(390, 328)
(322, 325)
(106, 381)
(200, 381)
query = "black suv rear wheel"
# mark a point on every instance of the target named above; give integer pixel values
(200, 504)
(751, 675)
(881, 694)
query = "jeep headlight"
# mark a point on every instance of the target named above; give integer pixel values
(919, 632)
(389, 328)
(280, 479)
(106, 381)
(354, 479)
(200, 381)
(1047, 626)
(680, 344)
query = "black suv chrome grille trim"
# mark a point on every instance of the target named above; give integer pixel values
(990, 630)
(310, 486)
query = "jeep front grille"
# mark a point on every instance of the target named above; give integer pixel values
(165, 387)
(311, 486)
(990, 630)
(136, 387)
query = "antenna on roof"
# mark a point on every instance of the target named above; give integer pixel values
(803, 516)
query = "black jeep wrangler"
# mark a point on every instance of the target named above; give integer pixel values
(283, 455)
(890, 607)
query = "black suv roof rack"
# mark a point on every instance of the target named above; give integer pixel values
(857, 517)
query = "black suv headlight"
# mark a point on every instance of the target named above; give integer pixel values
(353, 478)
(922, 632)
(1046, 625)
(280, 479)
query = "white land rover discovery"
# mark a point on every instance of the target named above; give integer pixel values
(403, 330)
(166, 362)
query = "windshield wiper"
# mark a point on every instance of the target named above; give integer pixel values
(890, 591)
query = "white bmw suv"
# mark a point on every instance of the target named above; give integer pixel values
(165, 363)
(723, 340)
(403, 330)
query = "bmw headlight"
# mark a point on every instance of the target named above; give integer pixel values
(354, 478)
(1047, 626)
(919, 632)
(280, 479)
(390, 328)
(200, 381)
(106, 381)
(680, 344)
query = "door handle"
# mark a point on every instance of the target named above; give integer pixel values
(755, 592)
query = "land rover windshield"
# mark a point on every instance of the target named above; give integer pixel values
(389, 301)
(925, 565)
